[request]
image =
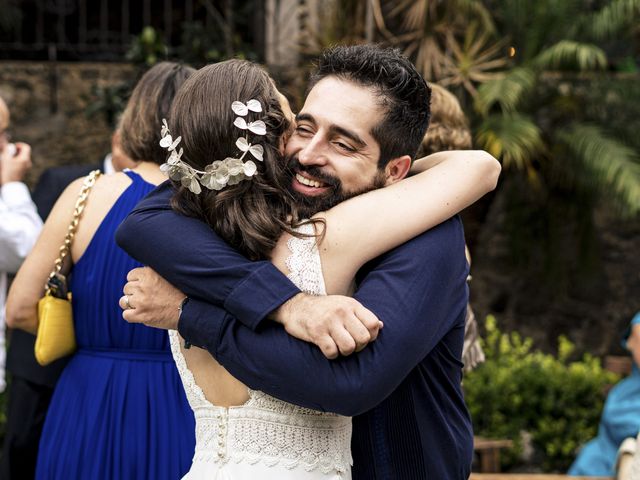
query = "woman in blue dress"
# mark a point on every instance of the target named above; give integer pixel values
(119, 410)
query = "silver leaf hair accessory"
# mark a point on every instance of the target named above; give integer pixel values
(220, 173)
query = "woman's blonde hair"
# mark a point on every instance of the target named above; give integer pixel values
(449, 128)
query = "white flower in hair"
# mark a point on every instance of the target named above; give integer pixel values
(258, 127)
(167, 141)
(165, 128)
(192, 182)
(219, 173)
(241, 109)
(250, 168)
(256, 150)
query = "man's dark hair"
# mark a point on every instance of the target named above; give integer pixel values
(403, 94)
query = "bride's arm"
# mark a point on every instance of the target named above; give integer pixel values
(366, 226)
(425, 163)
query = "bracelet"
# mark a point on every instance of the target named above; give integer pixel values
(185, 300)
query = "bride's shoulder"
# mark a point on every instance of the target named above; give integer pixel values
(301, 242)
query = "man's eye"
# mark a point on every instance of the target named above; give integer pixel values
(345, 147)
(303, 130)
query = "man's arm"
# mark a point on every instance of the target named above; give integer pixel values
(173, 245)
(418, 291)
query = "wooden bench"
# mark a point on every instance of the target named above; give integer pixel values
(529, 476)
(488, 451)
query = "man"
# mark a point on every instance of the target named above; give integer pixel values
(410, 421)
(19, 229)
(33, 384)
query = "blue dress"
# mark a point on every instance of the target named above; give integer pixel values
(119, 410)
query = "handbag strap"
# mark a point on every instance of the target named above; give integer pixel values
(89, 182)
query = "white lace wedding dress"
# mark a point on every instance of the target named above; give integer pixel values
(266, 438)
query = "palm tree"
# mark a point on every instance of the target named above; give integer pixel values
(452, 43)
(529, 124)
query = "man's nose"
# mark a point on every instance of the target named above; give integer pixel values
(313, 153)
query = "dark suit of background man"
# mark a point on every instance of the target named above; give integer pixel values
(32, 385)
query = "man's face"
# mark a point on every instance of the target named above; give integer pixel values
(331, 154)
(633, 343)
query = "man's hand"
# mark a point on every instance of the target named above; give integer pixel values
(334, 323)
(14, 168)
(151, 300)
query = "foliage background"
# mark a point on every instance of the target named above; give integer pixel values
(548, 404)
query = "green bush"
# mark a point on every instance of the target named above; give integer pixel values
(551, 400)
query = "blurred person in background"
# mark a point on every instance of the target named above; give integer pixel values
(32, 384)
(118, 409)
(19, 229)
(449, 130)
(620, 419)
(19, 221)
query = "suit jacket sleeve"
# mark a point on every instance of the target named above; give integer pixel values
(190, 255)
(46, 193)
(419, 292)
(52, 183)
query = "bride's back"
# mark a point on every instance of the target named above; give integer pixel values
(218, 385)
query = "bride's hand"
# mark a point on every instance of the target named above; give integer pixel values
(336, 324)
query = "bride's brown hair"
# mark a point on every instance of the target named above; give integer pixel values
(252, 214)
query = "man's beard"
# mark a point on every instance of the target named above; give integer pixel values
(310, 205)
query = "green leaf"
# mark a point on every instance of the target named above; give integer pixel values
(507, 91)
(512, 138)
(568, 54)
(611, 165)
(612, 18)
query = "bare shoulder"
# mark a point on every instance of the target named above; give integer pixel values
(104, 193)
(105, 186)
(111, 185)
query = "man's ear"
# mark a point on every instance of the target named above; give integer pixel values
(397, 169)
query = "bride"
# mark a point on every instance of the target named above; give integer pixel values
(225, 136)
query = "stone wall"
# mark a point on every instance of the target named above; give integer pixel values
(48, 104)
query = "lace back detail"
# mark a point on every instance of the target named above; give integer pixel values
(305, 267)
(266, 430)
(195, 395)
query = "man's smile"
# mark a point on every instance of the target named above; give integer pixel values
(307, 185)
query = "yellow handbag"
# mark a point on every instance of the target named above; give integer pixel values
(56, 336)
